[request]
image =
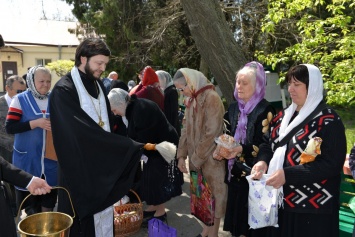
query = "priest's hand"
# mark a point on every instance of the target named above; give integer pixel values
(38, 186)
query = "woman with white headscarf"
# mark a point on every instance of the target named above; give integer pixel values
(171, 103)
(28, 119)
(305, 167)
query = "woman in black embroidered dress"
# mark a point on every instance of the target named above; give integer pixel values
(310, 189)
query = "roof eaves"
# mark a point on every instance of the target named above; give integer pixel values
(38, 44)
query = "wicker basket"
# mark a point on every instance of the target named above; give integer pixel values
(129, 218)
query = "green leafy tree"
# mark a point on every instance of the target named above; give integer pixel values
(319, 32)
(162, 33)
(61, 67)
(139, 33)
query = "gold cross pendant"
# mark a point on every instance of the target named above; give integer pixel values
(101, 123)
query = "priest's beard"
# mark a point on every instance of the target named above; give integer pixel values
(90, 73)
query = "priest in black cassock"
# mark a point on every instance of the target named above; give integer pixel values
(96, 166)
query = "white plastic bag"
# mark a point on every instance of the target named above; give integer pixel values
(262, 203)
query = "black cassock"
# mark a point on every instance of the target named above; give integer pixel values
(97, 167)
(15, 176)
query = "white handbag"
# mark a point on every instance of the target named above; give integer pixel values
(262, 203)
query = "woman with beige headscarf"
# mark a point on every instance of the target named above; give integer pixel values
(202, 123)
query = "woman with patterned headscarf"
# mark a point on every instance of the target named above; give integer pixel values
(247, 120)
(304, 158)
(171, 96)
(28, 119)
(202, 123)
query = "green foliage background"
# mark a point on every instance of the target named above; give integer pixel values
(347, 116)
(322, 34)
(278, 33)
(61, 67)
(139, 33)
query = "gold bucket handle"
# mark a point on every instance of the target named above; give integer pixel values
(57, 187)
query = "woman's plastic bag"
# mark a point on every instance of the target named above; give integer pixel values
(262, 203)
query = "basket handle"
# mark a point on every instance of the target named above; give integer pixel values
(57, 187)
(131, 190)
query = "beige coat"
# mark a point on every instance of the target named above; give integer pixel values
(200, 126)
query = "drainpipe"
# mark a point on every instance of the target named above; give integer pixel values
(60, 51)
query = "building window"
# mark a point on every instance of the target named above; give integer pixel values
(43, 61)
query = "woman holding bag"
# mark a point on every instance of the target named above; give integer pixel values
(304, 156)
(202, 123)
(248, 120)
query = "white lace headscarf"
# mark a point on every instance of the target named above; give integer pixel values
(165, 79)
(314, 97)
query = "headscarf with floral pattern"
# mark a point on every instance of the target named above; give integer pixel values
(30, 79)
(196, 81)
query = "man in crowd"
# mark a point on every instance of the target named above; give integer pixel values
(107, 81)
(14, 85)
(15, 176)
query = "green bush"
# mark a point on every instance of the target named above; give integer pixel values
(61, 67)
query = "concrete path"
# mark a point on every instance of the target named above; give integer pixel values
(179, 217)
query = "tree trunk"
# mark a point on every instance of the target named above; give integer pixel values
(215, 42)
(204, 67)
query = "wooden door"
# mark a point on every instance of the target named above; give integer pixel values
(8, 69)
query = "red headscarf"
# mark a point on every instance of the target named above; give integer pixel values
(149, 76)
(149, 88)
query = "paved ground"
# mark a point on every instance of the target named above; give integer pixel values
(179, 217)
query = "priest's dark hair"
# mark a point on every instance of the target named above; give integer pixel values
(91, 47)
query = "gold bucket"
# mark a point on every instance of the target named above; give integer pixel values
(49, 224)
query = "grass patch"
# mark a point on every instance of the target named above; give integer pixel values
(348, 118)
